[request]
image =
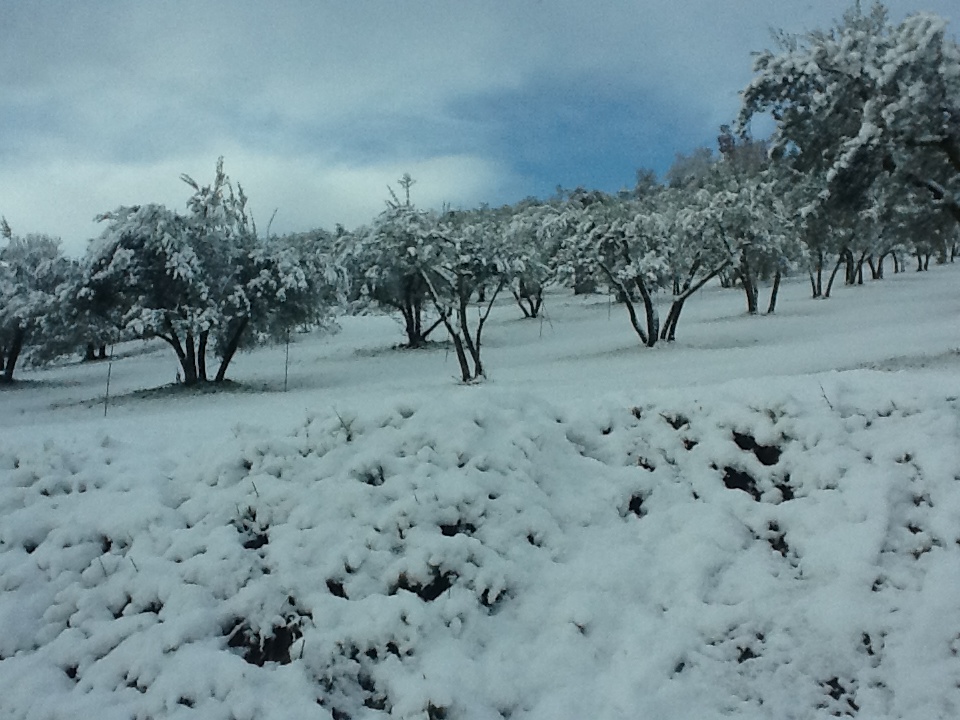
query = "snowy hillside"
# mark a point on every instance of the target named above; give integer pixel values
(760, 521)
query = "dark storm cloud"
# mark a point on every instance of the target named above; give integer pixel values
(318, 105)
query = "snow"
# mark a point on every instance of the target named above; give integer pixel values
(759, 521)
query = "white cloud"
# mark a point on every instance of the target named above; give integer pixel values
(307, 193)
(62, 198)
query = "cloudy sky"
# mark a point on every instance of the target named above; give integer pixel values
(318, 105)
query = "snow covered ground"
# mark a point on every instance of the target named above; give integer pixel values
(759, 521)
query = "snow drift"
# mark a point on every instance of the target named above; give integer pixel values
(790, 551)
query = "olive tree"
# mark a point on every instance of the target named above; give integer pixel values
(204, 281)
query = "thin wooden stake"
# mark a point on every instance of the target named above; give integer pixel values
(545, 318)
(286, 363)
(106, 395)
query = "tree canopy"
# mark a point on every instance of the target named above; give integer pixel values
(204, 279)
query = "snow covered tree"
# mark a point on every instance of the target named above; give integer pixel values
(381, 262)
(910, 227)
(144, 269)
(747, 207)
(205, 279)
(865, 100)
(521, 228)
(461, 254)
(383, 268)
(696, 252)
(690, 170)
(32, 271)
(623, 241)
(70, 327)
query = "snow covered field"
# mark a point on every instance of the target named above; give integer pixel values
(759, 521)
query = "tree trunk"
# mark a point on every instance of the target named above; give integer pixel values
(878, 271)
(859, 267)
(202, 356)
(231, 349)
(650, 310)
(13, 354)
(468, 342)
(631, 310)
(461, 353)
(850, 268)
(833, 276)
(749, 285)
(90, 354)
(583, 283)
(523, 308)
(482, 320)
(189, 368)
(635, 322)
(536, 303)
(189, 363)
(473, 340)
(426, 333)
(773, 293)
(820, 273)
(417, 306)
(409, 325)
(462, 360)
(411, 308)
(816, 281)
(529, 297)
(669, 330)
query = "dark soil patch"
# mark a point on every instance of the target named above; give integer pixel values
(635, 505)
(767, 454)
(260, 649)
(336, 589)
(460, 527)
(430, 591)
(778, 539)
(739, 480)
(675, 421)
(786, 492)
(252, 532)
(843, 696)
